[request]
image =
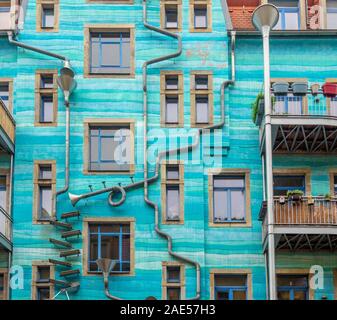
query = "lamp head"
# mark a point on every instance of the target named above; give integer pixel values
(66, 81)
(106, 265)
(265, 15)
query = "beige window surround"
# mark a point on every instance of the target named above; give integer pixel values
(5, 273)
(181, 284)
(9, 81)
(204, 4)
(297, 271)
(39, 92)
(108, 28)
(39, 182)
(229, 172)
(164, 183)
(229, 272)
(197, 92)
(108, 220)
(39, 9)
(108, 122)
(166, 93)
(36, 284)
(171, 3)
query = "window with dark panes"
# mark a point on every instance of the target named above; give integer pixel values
(171, 16)
(48, 16)
(229, 199)
(46, 81)
(45, 172)
(173, 274)
(110, 148)
(201, 82)
(292, 287)
(3, 285)
(4, 93)
(43, 293)
(112, 241)
(110, 52)
(173, 293)
(200, 16)
(43, 274)
(45, 205)
(171, 82)
(3, 192)
(285, 183)
(230, 287)
(172, 193)
(201, 109)
(172, 109)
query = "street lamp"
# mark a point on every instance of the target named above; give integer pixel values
(106, 265)
(264, 19)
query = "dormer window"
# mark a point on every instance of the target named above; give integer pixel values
(289, 15)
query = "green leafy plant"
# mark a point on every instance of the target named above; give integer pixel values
(328, 196)
(291, 193)
(255, 105)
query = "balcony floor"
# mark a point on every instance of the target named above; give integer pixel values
(306, 241)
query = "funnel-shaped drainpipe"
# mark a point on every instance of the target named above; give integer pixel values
(106, 265)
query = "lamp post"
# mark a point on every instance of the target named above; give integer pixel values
(264, 19)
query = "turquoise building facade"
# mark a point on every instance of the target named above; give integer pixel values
(221, 249)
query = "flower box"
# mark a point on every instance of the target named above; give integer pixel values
(299, 88)
(315, 89)
(330, 89)
(280, 88)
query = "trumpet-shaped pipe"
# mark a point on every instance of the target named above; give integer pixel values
(144, 183)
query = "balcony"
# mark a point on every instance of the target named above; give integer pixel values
(7, 129)
(5, 229)
(306, 224)
(302, 124)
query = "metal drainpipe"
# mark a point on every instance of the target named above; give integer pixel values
(269, 166)
(66, 61)
(183, 149)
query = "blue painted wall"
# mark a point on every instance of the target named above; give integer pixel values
(122, 98)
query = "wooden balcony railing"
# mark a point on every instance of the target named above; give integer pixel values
(7, 122)
(311, 211)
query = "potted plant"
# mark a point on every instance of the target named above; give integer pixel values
(299, 88)
(282, 200)
(330, 89)
(258, 109)
(311, 201)
(315, 89)
(295, 195)
(280, 87)
(327, 197)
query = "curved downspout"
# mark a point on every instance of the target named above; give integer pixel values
(66, 64)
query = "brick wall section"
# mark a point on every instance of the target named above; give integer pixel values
(241, 17)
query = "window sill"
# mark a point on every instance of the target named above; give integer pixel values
(205, 30)
(246, 224)
(88, 172)
(112, 75)
(99, 274)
